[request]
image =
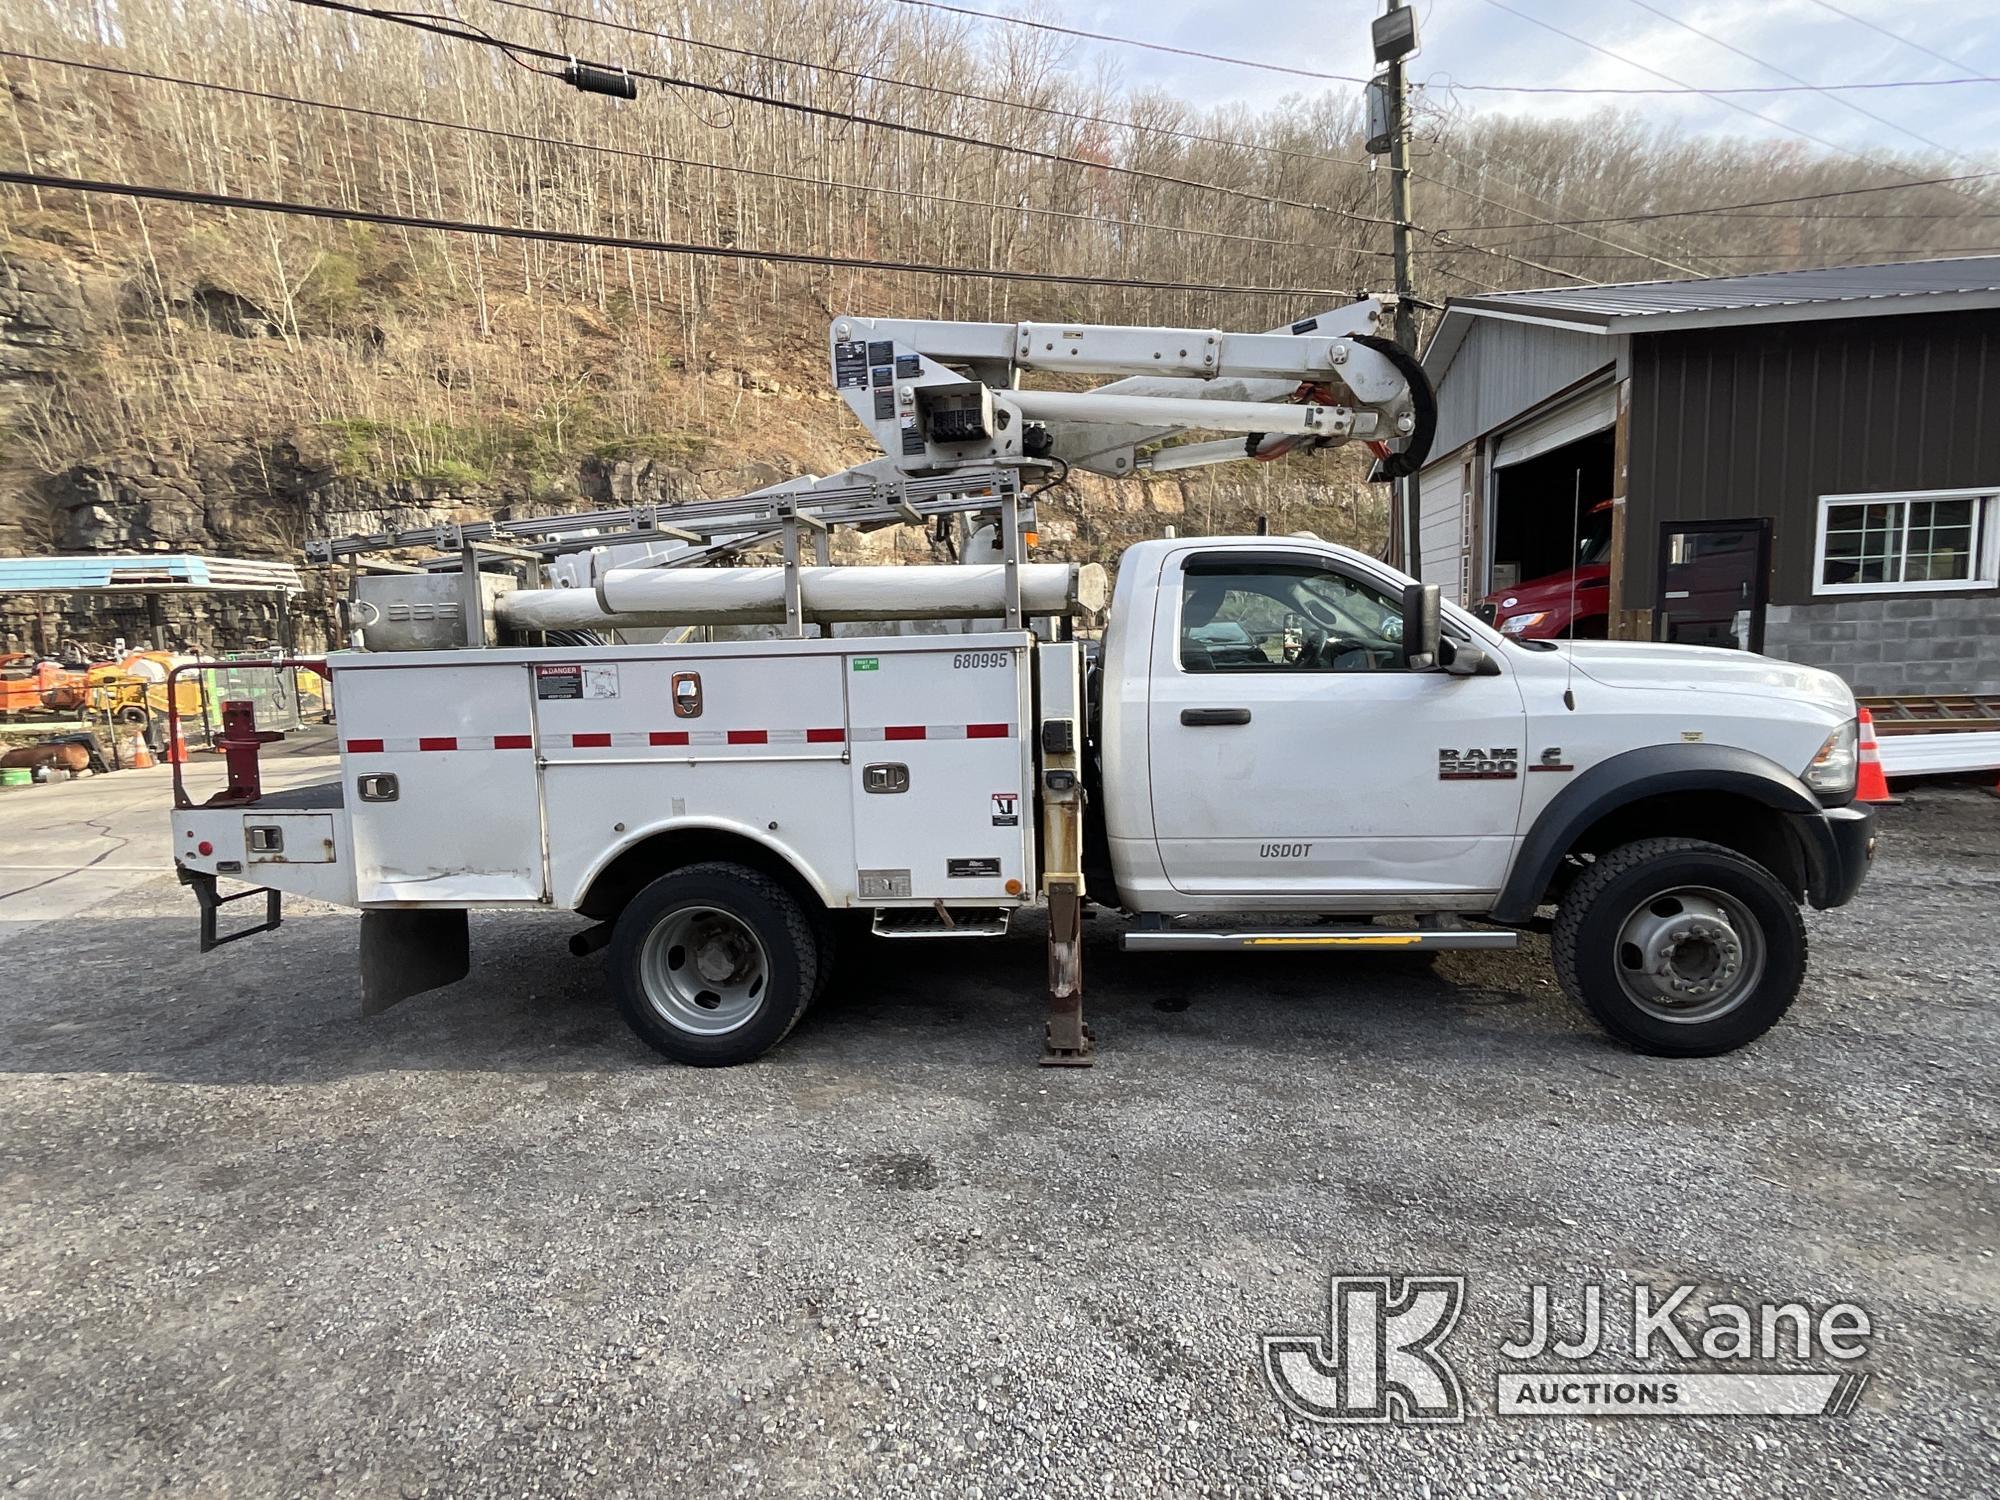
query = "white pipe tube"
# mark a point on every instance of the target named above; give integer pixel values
(756, 596)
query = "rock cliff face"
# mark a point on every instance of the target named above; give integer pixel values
(49, 317)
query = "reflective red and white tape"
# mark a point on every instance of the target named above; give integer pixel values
(673, 738)
(935, 732)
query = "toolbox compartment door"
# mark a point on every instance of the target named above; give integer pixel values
(949, 725)
(464, 822)
(747, 737)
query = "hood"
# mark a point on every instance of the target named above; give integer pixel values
(1548, 591)
(1656, 664)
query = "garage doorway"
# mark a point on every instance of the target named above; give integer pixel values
(1551, 534)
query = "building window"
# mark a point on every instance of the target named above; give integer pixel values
(1908, 543)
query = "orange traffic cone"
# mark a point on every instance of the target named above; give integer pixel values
(1870, 784)
(142, 756)
(177, 749)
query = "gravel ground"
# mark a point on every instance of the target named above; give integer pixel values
(487, 1244)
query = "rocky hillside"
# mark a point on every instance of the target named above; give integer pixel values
(240, 480)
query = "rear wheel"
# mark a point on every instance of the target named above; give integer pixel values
(713, 964)
(1679, 947)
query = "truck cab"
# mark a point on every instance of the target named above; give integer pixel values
(1269, 741)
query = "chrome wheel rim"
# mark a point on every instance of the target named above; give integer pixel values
(1690, 954)
(704, 971)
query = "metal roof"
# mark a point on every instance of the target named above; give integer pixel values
(160, 573)
(1763, 297)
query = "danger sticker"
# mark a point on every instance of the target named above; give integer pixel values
(1006, 809)
(574, 680)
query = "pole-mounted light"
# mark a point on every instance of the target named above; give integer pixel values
(1395, 34)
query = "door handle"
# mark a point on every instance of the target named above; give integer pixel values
(1196, 717)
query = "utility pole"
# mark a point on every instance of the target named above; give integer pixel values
(1395, 37)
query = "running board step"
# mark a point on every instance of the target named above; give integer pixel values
(928, 922)
(1380, 939)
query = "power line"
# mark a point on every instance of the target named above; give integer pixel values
(1926, 252)
(629, 153)
(436, 27)
(1491, 88)
(444, 28)
(1723, 209)
(1126, 41)
(1742, 109)
(1869, 114)
(1565, 228)
(201, 198)
(1445, 81)
(1677, 245)
(1894, 36)
(1441, 240)
(1081, 116)
(465, 127)
(1888, 218)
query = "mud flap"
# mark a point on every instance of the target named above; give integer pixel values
(404, 953)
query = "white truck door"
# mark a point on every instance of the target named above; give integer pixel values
(1291, 754)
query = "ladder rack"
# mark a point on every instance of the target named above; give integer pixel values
(711, 527)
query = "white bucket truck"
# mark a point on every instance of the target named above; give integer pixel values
(1281, 744)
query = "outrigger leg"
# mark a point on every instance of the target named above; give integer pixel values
(1068, 1043)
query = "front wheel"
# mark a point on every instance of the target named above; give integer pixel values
(1680, 948)
(713, 964)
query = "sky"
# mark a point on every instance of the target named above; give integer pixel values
(1476, 41)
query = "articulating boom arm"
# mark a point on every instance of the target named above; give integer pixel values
(939, 396)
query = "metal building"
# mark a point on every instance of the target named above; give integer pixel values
(1805, 463)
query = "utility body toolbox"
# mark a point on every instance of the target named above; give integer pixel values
(894, 771)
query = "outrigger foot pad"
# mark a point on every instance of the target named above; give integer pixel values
(1082, 1056)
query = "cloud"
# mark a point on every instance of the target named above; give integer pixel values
(1470, 41)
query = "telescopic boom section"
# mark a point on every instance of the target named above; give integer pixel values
(939, 396)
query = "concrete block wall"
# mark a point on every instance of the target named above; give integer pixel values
(1918, 643)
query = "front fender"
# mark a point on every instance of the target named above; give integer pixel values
(1652, 771)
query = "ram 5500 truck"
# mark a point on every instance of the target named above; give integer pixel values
(1279, 744)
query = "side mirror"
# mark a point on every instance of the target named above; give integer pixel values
(1420, 627)
(1462, 659)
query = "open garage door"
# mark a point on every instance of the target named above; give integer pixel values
(1551, 525)
(1595, 411)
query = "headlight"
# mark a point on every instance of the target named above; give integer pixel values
(1515, 624)
(1833, 769)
